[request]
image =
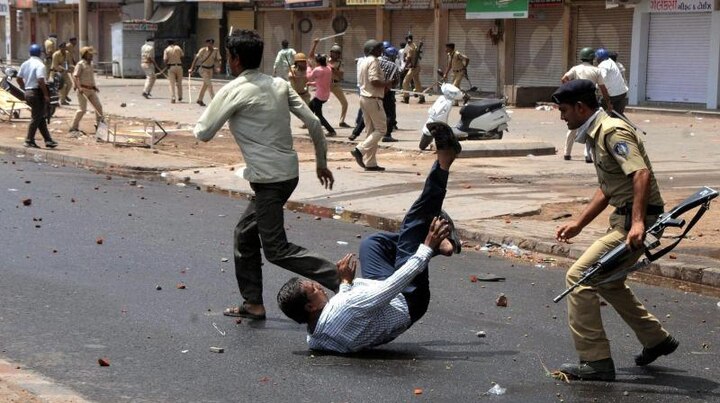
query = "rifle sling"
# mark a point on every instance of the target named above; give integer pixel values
(654, 256)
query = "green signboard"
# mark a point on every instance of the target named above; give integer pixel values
(492, 9)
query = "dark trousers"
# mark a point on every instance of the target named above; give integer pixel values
(389, 104)
(38, 107)
(316, 106)
(262, 226)
(383, 253)
(619, 102)
(359, 123)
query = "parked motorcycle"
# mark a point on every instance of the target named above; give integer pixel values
(53, 88)
(484, 119)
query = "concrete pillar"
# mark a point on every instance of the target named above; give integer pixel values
(506, 60)
(83, 22)
(568, 42)
(713, 95)
(639, 51)
(148, 9)
(438, 37)
(379, 23)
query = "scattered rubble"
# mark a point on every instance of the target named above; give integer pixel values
(218, 350)
(103, 362)
(501, 301)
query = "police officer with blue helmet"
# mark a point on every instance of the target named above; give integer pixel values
(32, 79)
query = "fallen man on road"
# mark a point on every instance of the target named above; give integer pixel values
(394, 291)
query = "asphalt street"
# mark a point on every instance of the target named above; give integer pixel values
(79, 271)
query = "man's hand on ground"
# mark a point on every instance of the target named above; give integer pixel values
(439, 230)
(346, 268)
(326, 178)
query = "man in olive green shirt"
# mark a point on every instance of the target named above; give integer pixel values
(627, 183)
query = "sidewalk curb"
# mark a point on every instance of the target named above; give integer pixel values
(677, 270)
(39, 386)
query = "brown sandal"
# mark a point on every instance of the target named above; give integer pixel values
(241, 312)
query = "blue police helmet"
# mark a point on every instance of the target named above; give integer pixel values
(386, 44)
(602, 54)
(35, 49)
(391, 52)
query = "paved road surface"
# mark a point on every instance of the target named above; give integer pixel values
(66, 301)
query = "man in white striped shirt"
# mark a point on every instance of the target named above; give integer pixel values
(394, 291)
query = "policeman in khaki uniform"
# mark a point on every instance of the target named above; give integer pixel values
(209, 60)
(61, 66)
(172, 56)
(627, 183)
(412, 60)
(50, 46)
(70, 51)
(147, 63)
(338, 74)
(298, 77)
(457, 62)
(84, 79)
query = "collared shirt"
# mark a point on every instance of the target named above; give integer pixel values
(358, 68)
(613, 78)
(336, 65)
(84, 73)
(31, 70)
(70, 54)
(208, 58)
(585, 71)
(147, 53)
(411, 55)
(370, 71)
(284, 59)
(321, 77)
(368, 313)
(389, 69)
(59, 61)
(401, 59)
(257, 108)
(173, 55)
(618, 152)
(456, 60)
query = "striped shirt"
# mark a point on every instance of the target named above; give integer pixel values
(368, 313)
(390, 69)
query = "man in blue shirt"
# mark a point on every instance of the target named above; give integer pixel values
(31, 78)
(394, 291)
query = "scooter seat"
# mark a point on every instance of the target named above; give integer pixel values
(477, 108)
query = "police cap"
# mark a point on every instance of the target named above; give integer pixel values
(574, 91)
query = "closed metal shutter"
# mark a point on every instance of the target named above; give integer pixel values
(678, 61)
(321, 27)
(422, 25)
(361, 27)
(539, 48)
(470, 38)
(276, 27)
(611, 29)
(65, 25)
(241, 19)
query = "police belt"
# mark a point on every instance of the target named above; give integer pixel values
(457, 71)
(207, 67)
(650, 210)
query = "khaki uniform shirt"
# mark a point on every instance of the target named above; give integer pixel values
(208, 58)
(370, 72)
(456, 61)
(173, 55)
(337, 71)
(84, 73)
(619, 152)
(147, 53)
(70, 54)
(586, 71)
(410, 54)
(298, 79)
(59, 58)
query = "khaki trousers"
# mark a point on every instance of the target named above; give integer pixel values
(175, 75)
(206, 75)
(337, 90)
(67, 84)
(376, 125)
(584, 317)
(413, 75)
(306, 97)
(457, 78)
(83, 98)
(149, 70)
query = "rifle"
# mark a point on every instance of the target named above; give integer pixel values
(610, 260)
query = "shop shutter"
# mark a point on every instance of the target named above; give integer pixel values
(470, 37)
(608, 28)
(539, 48)
(422, 25)
(276, 27)
(361, 27)
(241, 19)
(321, 27)
(678, 60)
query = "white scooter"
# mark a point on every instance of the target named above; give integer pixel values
(479, 120)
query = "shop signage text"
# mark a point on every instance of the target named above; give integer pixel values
(494, 9)
(139, 26)
(306, 3)
(4, 8)
(680, 6)
(365, 2)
